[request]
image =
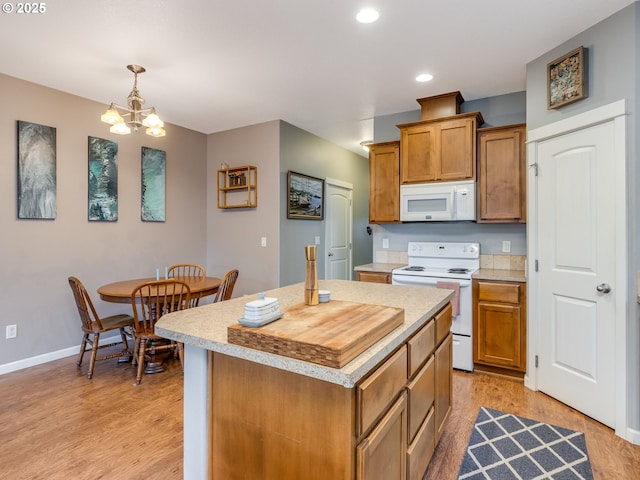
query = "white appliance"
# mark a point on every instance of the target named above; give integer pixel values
(433, 262)
(438, 202)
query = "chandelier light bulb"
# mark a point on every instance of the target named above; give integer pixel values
(153, 120)
(156, 132)
(120, 129)
(111, 116)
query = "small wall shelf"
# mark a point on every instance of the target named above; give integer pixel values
(238, 187)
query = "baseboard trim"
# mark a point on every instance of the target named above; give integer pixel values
(633, 436)
(50, 357)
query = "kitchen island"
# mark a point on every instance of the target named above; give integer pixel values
(252, 414)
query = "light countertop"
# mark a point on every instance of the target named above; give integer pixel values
(206, 326)
(499, 275)
(379, 267)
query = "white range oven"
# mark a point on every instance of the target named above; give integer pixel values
(446, 265)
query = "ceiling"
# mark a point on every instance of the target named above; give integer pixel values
(213, 65)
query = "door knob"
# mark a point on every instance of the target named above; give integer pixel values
(604, 288)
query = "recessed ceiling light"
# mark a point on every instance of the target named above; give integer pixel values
(424, 77)
(365, 144)
(367, 15)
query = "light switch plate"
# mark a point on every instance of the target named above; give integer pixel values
(506, 246)
(12, 331)
(263, 241)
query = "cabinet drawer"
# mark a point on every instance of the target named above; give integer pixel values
(443, 323)
(420, 346)
(421, 450)
(374, 277)
(378, 390)
(499, 292)
(421, 396)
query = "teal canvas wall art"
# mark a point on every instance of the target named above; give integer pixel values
(153, 185)
(103, 180)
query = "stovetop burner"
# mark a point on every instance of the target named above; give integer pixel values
(414, 269)
(458, 270)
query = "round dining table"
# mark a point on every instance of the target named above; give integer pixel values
(120, 292)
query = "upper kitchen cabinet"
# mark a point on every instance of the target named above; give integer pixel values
(439, 150)
(384, 182)
(502, 174)
(441, 147)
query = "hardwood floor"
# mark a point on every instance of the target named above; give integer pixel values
(611, 457)
(56, 424)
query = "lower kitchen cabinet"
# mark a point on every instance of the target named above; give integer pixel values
(499, 325)
(386, 427)
(444, 384)
(382, 455)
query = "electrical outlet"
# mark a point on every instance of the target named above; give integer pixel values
(12, 331)
(317, 240)
(385, 243)
(263, 241)
(506, 246)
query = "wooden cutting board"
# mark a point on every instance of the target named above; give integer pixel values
(329, 334)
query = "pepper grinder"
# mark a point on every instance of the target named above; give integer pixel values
(311, 279)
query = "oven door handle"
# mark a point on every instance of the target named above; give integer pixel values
(427, 281)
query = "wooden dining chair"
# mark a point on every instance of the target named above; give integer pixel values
(189, 270)
(149, 302)
(94, 325)
(226, 286)
(186, 270)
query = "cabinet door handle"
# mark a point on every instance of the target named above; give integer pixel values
(604, 288)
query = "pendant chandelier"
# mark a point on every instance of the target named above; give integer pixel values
(122, 119)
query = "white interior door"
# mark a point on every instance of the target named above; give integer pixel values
(576, 279)
(338, 229)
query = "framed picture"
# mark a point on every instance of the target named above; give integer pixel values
(103, 180)
(153, 185)
(305, 196)
(566, 79)
(37, 182)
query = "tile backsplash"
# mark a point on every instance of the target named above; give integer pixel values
(390, 256)
(498, 262)
(503, 262)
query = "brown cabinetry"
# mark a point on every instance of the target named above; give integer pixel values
(291, 426)
(439, 150)
(501, 174)
(382, 455)
(443, 358)
(384, 182)
(374, 277)
(499, 325)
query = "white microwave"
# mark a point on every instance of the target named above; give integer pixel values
(438, 202)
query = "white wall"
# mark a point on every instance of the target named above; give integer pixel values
(38, 255)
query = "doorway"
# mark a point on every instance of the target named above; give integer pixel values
(577, 263)
(338, 233)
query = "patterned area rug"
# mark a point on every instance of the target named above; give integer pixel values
(507, 447)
